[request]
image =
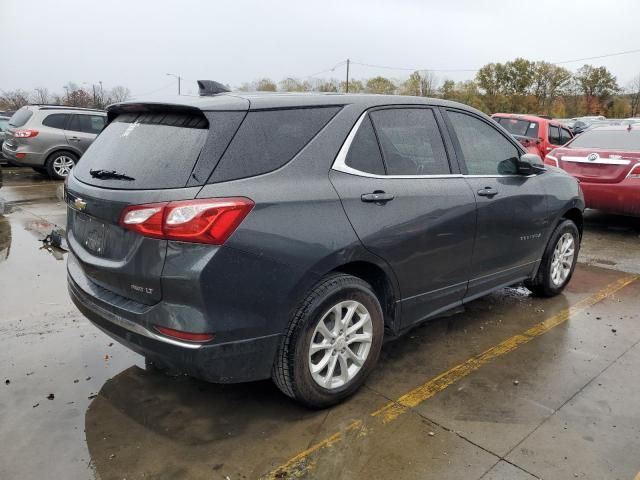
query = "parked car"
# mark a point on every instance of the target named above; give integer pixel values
(606, 161)
(50, 138)
(4, 125)
(538, 135)
(247, 236)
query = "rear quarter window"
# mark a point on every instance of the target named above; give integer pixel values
(268, 139)
(56, 120)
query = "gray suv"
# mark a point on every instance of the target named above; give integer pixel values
(239, 237)
(51, 139)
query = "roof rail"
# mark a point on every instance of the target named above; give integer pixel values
(46, 106)
(210, 87)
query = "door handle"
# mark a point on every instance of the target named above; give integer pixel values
(487, 192)
(377, 197)
(74, 139)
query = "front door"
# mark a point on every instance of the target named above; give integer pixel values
(512, 213)
(407, 206)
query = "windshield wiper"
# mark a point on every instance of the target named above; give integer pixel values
(105, 174)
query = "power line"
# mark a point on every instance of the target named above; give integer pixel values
(413, 69)
(339, 64)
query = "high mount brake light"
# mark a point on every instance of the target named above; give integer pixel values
(25, 133)
(210, 220)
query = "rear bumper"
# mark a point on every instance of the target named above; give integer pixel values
(231, 362)
(621, 198)
(30, 159)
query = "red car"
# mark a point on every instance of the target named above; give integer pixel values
(606, 161)
(536, 134)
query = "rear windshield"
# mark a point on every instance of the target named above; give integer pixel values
(21, 117)
(154, 150)
(517, 126)
(628, 140)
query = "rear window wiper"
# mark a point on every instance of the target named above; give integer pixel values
(105, 174)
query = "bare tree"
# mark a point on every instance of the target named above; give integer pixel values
(41, 95)
(14, 99)
(119, 94)
(634, 93)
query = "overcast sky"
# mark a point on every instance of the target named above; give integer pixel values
(135, 43)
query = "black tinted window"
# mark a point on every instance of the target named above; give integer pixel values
(410, 141)
(485, 150)
(364, 153)
(56, 120)
(21, 117)
(158, 150)
(554, 135)
(268, 139)
(86, 123)
(622, 139)
(565, 135)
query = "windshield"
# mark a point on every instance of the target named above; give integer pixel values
(517, 126)
(21, 117)
(145, 151)
(623, 139)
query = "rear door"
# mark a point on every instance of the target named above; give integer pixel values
(512, 213)
(158, 153)
(82, 129)
(408, 206)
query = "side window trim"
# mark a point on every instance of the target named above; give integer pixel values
(339, 164)
(458, 148)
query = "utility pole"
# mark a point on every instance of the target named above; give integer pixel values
(347, 88)
(179, 79)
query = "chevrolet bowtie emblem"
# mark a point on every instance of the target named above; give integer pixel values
(80, 204)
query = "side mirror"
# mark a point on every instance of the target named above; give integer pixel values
(530, 164)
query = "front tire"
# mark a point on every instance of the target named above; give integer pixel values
(558, 262)
(332, 342)
(59, 164)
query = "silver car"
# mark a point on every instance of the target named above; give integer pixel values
(51, 139)
(4, 125)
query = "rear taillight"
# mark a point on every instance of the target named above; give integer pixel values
(551, 160)
(634, 172)
(25, 133)
(201, 221)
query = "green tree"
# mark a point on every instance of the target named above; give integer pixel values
(548, 82)
(355, 86)
(293, 85)
(266, 85)
(492, 80)
(448, 89)
(597, 85)
(381, 85)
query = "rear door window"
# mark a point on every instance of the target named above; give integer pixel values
(21, 117)
(268, 139)
(518, 126)
(485, 150)
(86, 123)
(411, 142)
(364, 154)
(157, 150)
(565, 135)
(56, 120)
(554, 135)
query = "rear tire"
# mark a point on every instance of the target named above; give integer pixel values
(341, 320)
(558, 261)
(59, 164)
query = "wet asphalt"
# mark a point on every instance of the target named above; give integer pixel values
(513, 387)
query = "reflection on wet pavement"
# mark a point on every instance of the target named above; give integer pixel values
(77, 405)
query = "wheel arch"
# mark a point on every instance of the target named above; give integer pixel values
(576, 216)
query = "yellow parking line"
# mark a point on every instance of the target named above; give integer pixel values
(300, 464)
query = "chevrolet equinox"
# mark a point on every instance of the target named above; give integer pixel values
(238, 237)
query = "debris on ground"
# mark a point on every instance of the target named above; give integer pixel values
(92, 396)
(51, 396)
(431, 434)
(614, 330)
(516, 382)
(76, 381)
(7, 381)
(56, 239)
(36, 405)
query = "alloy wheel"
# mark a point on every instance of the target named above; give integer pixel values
(62, 165)
(562, 260)
(340, 344)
